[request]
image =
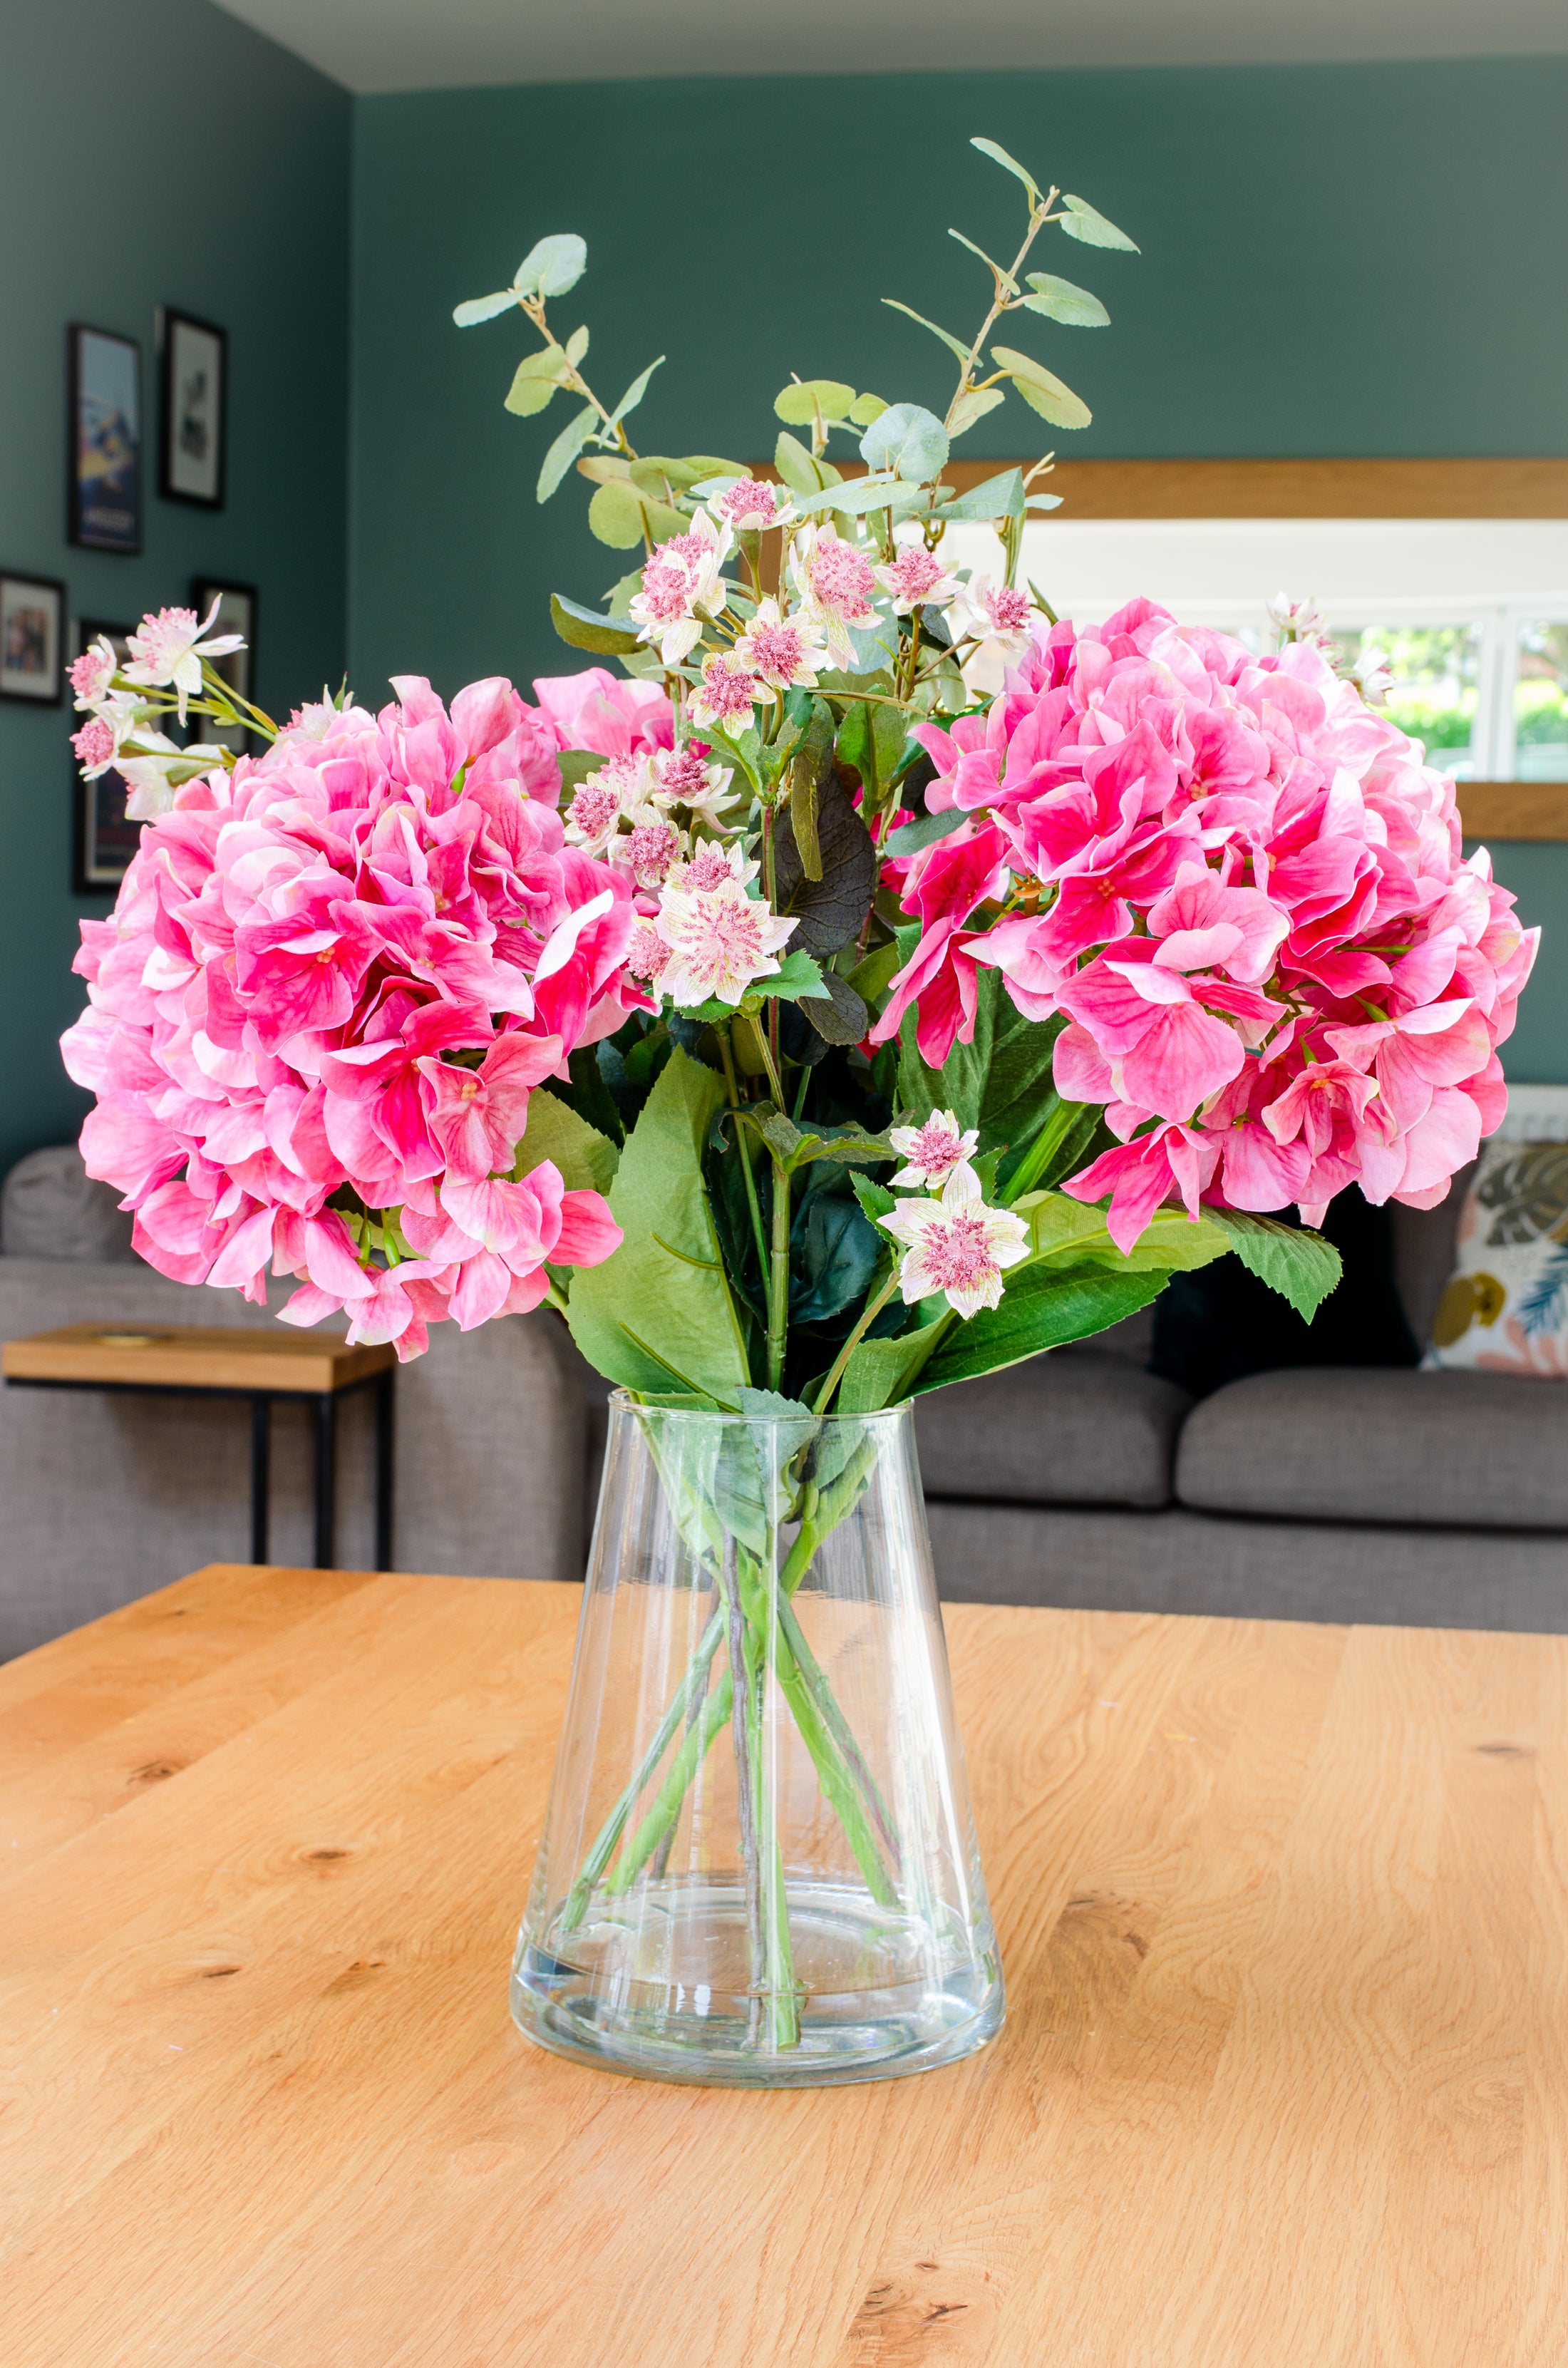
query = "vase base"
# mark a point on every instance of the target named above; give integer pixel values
(878, 1993)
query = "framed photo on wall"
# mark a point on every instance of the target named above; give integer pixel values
(196, 382)
(103, 840)
(104, 450)
(32, 623)
(236, 614)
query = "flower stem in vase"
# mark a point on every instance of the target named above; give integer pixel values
(742, 1735)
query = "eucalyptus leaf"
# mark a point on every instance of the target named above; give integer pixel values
(1082, 221)
(526, 395)
(577, 345)
(1001, 497)
(483, 308)
(553, 266)
(1041, 388)
(564, 450)
(801, 472)
(972, 405)
(998, 155)
(615, 515)
(865, 408)
(658, 1310)
(877, 491)
(582, 630)
(1061, 300)
(1006, 276)
(587, 1159)
(631, 398)
(831, 909)
(909, 440)
(805, 401)
(1294, 1261)
(953, 344)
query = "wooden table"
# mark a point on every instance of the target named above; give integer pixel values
(211, 1360)
(1284, 1912)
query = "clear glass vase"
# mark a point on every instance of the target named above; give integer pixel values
(787, 1894)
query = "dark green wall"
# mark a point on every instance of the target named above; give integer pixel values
(159, 155)
(1335, 259)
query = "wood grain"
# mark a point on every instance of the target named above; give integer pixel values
(1284, 1912)
(192, 1356)
(1500, 810)
(1282, 488)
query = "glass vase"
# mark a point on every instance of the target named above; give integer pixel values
(758, 1867)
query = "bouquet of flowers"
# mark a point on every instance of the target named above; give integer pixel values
(879, 981)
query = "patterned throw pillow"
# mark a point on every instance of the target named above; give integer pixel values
(1504, 1309)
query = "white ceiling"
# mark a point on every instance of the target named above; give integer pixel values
(384, 45)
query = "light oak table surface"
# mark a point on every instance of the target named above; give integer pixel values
(1284, 1915)
(194, 1356)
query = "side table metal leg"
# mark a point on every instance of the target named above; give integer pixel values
(326, 1477)
(260, 1475)
(384, 1469)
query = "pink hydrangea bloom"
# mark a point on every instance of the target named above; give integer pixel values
(614, 715)
(331, 980)
(1245, 890)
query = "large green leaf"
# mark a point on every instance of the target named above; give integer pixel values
(587, 1159)
(1063, 1228)
(585, 631)
(881, 1372)
(1299, 1264)
(658, 1311)
(1042, 1307)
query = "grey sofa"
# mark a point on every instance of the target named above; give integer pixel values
(1080, 1478)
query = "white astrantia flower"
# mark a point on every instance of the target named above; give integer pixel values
(935, 1151)
(683, 583)
(166, 651)
(156, 768)
(618, 792)
(719, 939)
(995, 613)
(916, 579)
(783, 652)
(955, 1245)
(680, 776)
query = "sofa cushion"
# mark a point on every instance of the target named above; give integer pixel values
(1478, 1450)
(51, 1208)
(1076, 1427)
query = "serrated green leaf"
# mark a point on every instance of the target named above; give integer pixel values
(998, 155)
(1042, 1307)
(875, 1200)
(631, 398)
(483, 308)
(1296, 1263)
(771, 1406)
(952, 343)
(1061, 300)
(564, 450)
(585, 631)
(1006, 276)
(908, 439)
(805, 401)
(839, 1017)
(526, 395)
(587, 1159)
(1041, 388)
(577, 345)
(553, 266)
(972, 405)
(1082, 221)
(658, 1310)
(883, 1373)
(865, 408)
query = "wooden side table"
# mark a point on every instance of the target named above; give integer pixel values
(198, 1360)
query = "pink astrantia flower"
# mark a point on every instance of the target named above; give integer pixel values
(835, 584)
(719, 939)
(93, 672)
(933, 1151)
(166, 651)
(648, 852)
(784, 653)
(646, 954)
(916, 579)
(684, 777)
(993, 612)
(618, 792)
(955, 1245)
(751, 507)
(95, 746)
(725, 696)
(682, 583)
(332, 977)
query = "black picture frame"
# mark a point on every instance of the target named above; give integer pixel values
(32, 636)
(103, 841)
(236, 614)
(103, 441)
(193, 448)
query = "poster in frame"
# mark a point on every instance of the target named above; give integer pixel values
(104, 841)
(193, 447)
(32, 625)
(104, 441)
(236, 614)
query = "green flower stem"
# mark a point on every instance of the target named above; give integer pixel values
(659, 1820)
(824, 1740)
(778, 1278)
(1042, 1151)
(745, 1724)
(868, 1317)
(726, 1054)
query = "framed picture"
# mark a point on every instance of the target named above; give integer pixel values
(236, 614)
(105, 440)
(32, 617)
(195, 384)
(105, 840)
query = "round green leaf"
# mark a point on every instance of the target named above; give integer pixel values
(527, 393)
(615, 515)
(974, 405)
(866, 408)
(802, 402)
(1059, 300)
(551, 266)
(908, 439)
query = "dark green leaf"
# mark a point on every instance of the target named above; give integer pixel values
(839, 1017)
(869, 978)
(830, 910)
(1042, 1307)
(576, 764)
(834, 1255)
(585, 631)
(659, 1310)
(871, 741)
(1000, 1084)
(875, 1199)
(1299, 1264)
